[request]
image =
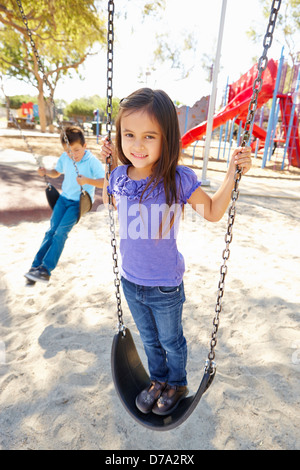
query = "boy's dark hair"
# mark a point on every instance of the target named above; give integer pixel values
(74, 134)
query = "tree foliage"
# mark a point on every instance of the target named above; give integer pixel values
(65, 33)
(287, 26)
(171, 51)
(16, 101)
(64, 37)
(85, 107)
(146, 9)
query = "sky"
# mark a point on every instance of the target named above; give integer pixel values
(135, 43)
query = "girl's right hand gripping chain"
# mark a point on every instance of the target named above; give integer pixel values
(107, 149)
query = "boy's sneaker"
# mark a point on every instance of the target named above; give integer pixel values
(29, 282)
(170, 399)
(39, 274)
(147, 398)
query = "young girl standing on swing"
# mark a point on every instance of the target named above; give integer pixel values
(149, 190)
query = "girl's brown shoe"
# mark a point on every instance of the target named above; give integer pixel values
(169, 399)
(147, 398)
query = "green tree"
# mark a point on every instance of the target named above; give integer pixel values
(171, 51)
(85, 107)
(64, 37)
(16, 101)
(146, 9)
(80, 108)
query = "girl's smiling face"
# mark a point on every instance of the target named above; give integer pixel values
(141, 142)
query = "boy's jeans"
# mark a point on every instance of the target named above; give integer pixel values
(157, 312)
(64, 217)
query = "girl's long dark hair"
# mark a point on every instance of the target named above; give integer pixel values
(159, 106)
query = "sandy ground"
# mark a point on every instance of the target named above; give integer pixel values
(56, 389)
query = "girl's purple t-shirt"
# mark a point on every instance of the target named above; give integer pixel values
(148, 246)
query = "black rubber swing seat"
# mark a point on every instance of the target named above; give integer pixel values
(85, 202)
(52, 195)
(130, 378)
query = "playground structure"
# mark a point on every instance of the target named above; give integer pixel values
(189, 117)
(26, 117)
(279, 132)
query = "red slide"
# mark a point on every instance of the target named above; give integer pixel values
(239, 97)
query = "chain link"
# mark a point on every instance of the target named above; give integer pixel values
(262, 65)
(257, 85)
(110, 56)
(109, 109)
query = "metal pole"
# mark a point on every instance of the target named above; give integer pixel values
(222, 126)
(273, 133)
(186, 122)
(272, 112)
(239, 134)
(260, 125)
(212, 100)
(287, 140)
(230, 139)
(97, 126)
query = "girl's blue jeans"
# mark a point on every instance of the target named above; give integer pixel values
(64, 217)
(157, 312)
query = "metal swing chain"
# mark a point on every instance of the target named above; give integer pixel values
(109, 108)
(257, 85)
(45, 79)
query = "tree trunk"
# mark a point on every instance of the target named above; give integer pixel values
(50, 114)
(41, 102)
(42, 111)
(8, 110)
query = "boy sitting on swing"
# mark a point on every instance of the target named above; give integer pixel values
(66, 210)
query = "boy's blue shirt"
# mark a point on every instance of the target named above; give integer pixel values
(89, 166)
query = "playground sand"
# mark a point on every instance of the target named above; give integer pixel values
(56, 390)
